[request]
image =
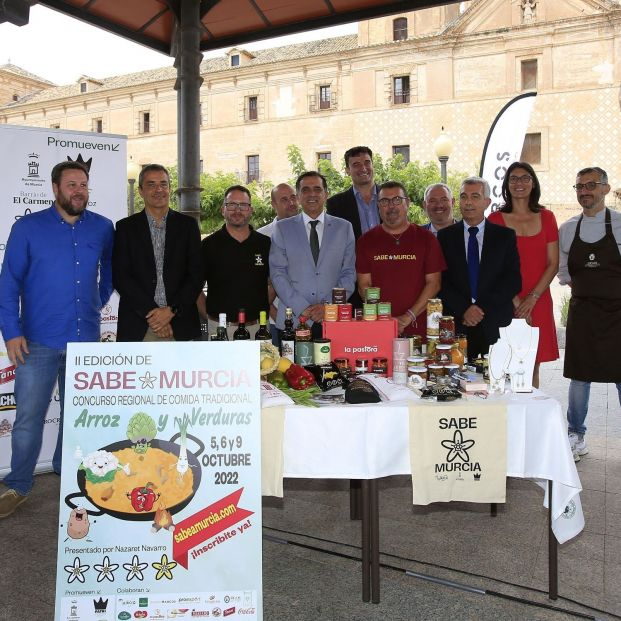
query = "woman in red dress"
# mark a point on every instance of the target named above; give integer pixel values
(537, 240)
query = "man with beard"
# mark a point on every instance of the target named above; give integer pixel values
(438, 203)
(55, 278)
(590, 263)
(156, 266)
(403, 259)
(235, 266)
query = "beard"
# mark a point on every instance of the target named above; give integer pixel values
(73, 206)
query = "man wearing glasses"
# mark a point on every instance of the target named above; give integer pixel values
(590, 263)
(156, 267)
(55, 278)
(403, 259)
(235, 265)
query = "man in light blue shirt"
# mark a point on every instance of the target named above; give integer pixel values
(55, 278)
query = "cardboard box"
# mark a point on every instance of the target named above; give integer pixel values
(362, 339)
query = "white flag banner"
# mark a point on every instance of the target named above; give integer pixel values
(504, 144)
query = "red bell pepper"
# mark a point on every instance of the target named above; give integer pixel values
(143, 498)
(298, 377)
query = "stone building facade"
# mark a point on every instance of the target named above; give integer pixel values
(393, 86)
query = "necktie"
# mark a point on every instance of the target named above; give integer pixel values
(473, 260)
(314, 240)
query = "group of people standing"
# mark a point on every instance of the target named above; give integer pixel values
(62, 264)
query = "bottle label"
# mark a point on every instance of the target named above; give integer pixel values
(304, 352)
(303, 334)
(287, 350)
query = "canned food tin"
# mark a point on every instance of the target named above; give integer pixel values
(344, 312)
(339, 295)
(447, 329)
(357, 314)
(369, 311)
(321, 351)
(304, 352)
(384, 310)
(330, 312)
(372, 295)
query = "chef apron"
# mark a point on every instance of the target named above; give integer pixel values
(593, 336)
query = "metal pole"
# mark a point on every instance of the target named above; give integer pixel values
(188, 85)
(131, 196)
(443, 160)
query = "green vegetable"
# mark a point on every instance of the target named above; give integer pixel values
(278, 379)
(141, 429)
(302, 397)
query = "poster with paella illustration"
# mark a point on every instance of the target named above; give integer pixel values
(160, 512)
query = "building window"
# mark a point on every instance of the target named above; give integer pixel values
(400, 29)
(252, 168)
(325, 97)
(82, 87)
(98, 125)
(55, 126)
(234, 60)
(324, 155)
(401, 89)
(529, 74)
(252, 108)
(403, 150)
(531, 151)
(200, 167)
(200, 114)
(15, 97)
(145, 122)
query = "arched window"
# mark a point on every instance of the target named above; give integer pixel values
(400, 29)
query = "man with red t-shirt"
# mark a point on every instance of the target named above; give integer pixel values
(403, 259)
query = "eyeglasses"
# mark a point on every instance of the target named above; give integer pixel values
(589, 185)
(395, 201)
(523, 179)
(232, 206)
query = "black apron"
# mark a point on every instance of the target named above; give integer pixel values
(593, 337)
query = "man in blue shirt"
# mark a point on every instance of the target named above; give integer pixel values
(55, 278)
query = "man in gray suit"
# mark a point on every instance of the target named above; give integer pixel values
(310, 254)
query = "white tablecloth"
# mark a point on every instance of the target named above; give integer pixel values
(371, 441)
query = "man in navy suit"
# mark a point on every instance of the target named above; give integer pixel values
(156, 267)
(311, 253)
(483, 270)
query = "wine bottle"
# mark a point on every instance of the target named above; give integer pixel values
(303, 343)
(221, 333)
(241, 334)
(287, 340)
(263, 334)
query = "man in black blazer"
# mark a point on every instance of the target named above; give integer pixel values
(156, 267)
(358, 204)
(480, 302)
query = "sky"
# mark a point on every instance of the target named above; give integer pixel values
(54, 47)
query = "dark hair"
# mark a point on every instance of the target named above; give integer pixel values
(603, 175)
(149, 168)
(388, 185)
(57, 171)
(535, 193)
(239, 188)
(357, 151)
(310, 173)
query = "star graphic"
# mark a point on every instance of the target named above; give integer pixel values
(106, 570)
(76, 571)
(457, 447)
(148, 380)
(134, 569)
(164, 568)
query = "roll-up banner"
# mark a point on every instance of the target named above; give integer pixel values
(27, 156)
(504, 143)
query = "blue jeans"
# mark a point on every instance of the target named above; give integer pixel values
(34, 384)
(578, 406)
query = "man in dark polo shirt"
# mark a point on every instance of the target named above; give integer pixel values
(235, 266)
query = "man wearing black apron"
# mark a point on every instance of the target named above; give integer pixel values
(590, 262)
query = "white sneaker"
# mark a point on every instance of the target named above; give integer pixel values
(580, 448)
(573, 439)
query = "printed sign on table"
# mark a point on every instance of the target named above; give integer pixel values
(160, 512)
(458, 452)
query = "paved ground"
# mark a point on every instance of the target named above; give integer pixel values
(502, 561)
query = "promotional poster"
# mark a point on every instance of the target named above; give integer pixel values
(160, 513)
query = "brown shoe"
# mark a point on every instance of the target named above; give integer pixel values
(9, 501)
